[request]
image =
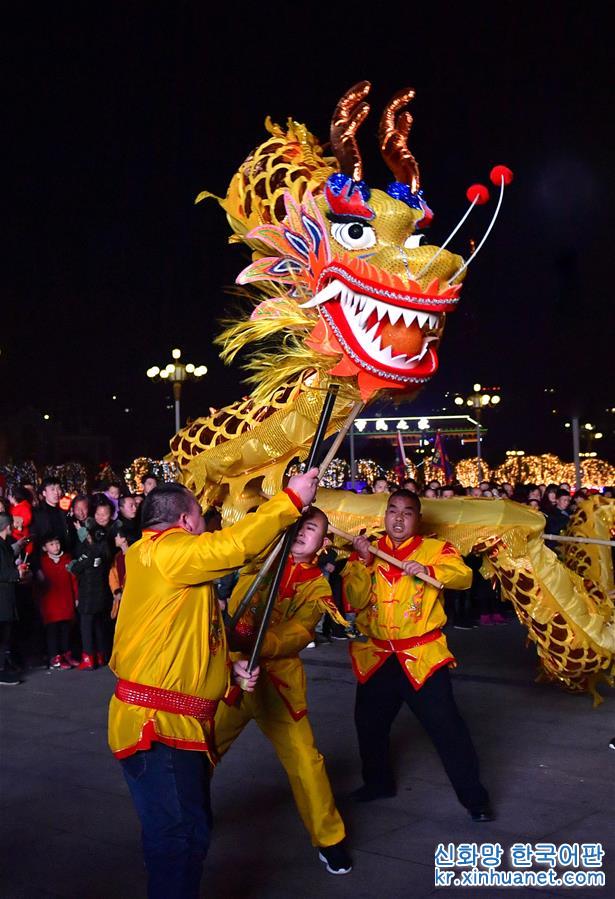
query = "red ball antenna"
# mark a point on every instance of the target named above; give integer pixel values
(478, 194)
(501, 173)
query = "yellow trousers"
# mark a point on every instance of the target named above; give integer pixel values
(294, 744)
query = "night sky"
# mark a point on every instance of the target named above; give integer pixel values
(118, 114)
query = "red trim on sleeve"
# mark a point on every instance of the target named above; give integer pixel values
(295, 498)
(355, 557)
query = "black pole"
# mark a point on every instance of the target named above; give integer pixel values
(291, 533)
(252, 589)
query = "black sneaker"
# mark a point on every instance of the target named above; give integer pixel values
(482, 814)
(335, 858)
(8, 679)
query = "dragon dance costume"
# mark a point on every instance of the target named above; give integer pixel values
(343, 288)
(279, 703)
(405, 659)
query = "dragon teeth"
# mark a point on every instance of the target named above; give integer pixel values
(332, 289)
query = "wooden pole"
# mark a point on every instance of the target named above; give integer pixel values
(387, 558)
(291, 533)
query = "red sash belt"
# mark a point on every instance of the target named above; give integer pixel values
(408, 643)
(165, 700)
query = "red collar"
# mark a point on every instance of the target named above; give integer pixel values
(154, 535)
(402, 552)
(296, 573)
(391, 573)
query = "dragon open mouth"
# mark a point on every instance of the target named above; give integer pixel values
(393, 332)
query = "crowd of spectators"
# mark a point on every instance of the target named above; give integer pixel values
(62, 573)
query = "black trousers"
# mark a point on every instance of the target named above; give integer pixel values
(57, 634)
(378, 702)
(92, 632)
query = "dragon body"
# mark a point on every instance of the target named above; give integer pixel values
(341, 289)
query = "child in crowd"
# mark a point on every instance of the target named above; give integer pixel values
(95, 599)
(279, 704)
(57, 592)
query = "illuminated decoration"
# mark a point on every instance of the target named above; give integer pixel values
(402, 425)
(19, 473)
(340, 289)
(369, 471)
(548, 468)
(423, 424)
(163, 470)
(466, 472)
(72, 476)
(106, 473)
(360, 424)
(336, 475)
(381, 425)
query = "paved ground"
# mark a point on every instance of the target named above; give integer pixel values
(68, 831)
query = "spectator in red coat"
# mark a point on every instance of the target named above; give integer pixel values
(21, 512)
(57, 590)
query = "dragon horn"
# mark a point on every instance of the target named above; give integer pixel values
(393, 134)
(349, 115)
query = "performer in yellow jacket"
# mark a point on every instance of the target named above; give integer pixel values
(406, 657)
(278, 703)
(170, 657)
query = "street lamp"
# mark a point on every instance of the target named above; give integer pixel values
(176, 372)
(479, 400)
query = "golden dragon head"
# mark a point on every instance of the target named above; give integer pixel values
(339, 270)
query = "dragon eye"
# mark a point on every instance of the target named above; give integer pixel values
(413, 241)
(354, 235)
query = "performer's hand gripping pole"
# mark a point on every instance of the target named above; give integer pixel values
(387, 558)
(291, 533)
(266, 566)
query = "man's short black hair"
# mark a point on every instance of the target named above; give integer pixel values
(150, 476)
(406, 494)
(164, 505)
(50, 480)
(123, 498)
(561, 492)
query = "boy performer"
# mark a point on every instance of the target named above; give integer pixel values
(278, 703)
(406, 657)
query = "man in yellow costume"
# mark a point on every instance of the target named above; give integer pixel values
(406, 657)
(278, 703)
(170, 656)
